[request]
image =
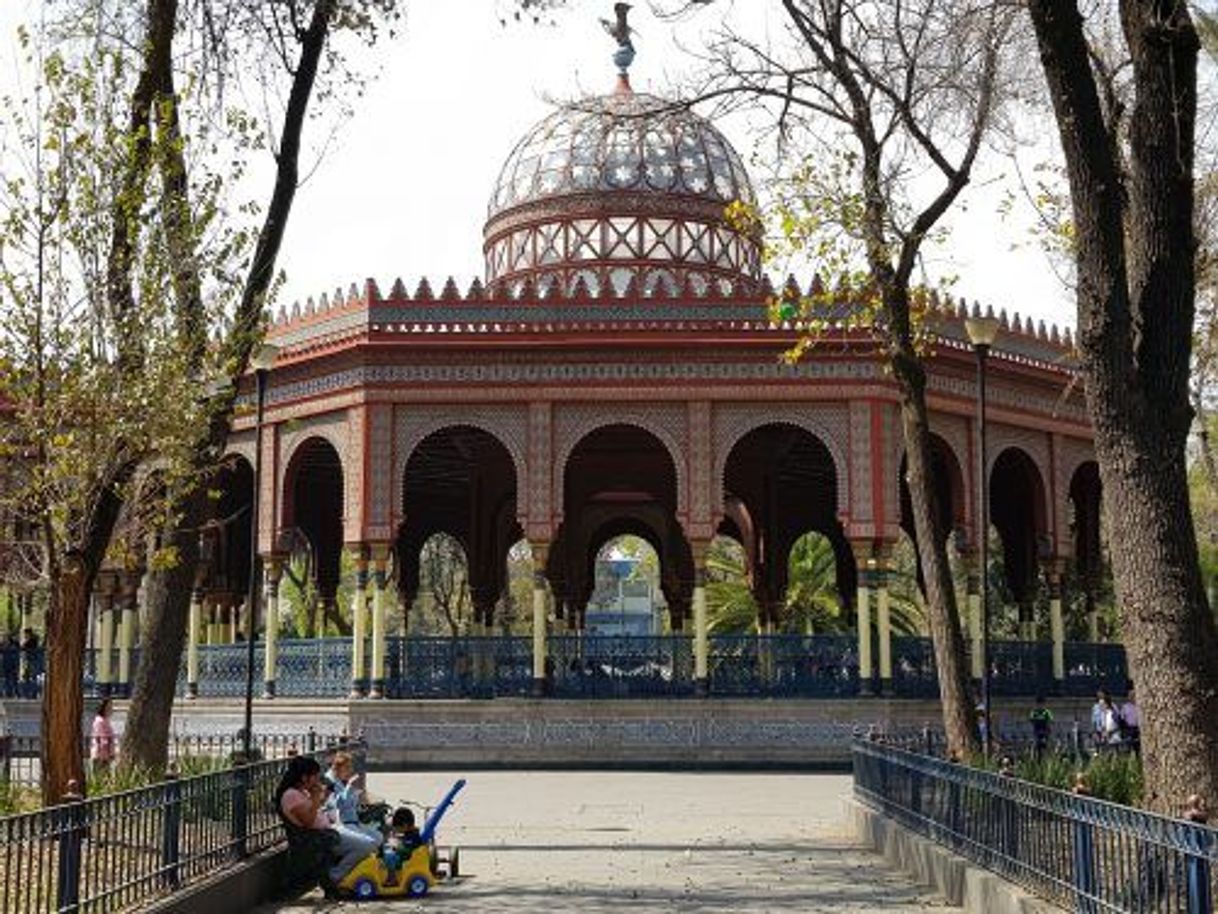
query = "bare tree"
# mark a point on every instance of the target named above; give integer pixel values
(887, 103)
(294, 34)
(1132, 188)
(444, 573)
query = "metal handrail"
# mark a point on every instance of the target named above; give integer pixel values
(1087, 854)
(123, 850)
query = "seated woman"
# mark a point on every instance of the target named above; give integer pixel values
(346, 795)
(301, 798)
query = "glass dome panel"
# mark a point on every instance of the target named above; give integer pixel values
(624, 141)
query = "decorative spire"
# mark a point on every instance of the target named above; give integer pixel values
(623, 57)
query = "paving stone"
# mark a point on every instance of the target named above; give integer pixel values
(648, 842)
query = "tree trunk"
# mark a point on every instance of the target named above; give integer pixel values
(167, 594)
(63, 769)
(1167, 627)
(942, 613)
(168, 599)
(1136, 288)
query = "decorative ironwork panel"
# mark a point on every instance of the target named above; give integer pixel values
(222, 669)
(437, 667)
(592, 666)
(783, 665)
(312, 668)
(1021, 667)
(1091, 667)
(913, 668)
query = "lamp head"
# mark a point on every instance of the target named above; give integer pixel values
(263, 358)
(982, 331)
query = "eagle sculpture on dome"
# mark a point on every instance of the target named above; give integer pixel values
(621, 31)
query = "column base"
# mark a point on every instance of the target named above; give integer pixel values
(538, 689)
(866, 689)
(357, 691)
(378, 689)
(192, 690)
(886, 688)
(104, 690)
(268, 689)
(702, 688)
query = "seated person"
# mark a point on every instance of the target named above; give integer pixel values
(301, 800)
(401, 843)
(346, 795)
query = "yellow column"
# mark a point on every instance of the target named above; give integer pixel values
(359, 613)
(973, 599)
(883, 624)
(105, 642)
(864, 562)
(194, 631)
(701, 627)
(126, 639)
(380, 579)
(270, 665)
(540, 553)
(1057, 625)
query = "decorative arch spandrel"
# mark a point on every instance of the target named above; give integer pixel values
(333, 428)
(828, 423)
(667, 422)
(507, 424)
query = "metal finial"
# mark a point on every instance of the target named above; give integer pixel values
(621, 31)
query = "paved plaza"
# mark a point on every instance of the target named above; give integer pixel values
(601, 841)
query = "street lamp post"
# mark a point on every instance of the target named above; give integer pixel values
(982, 331)
(261, 362)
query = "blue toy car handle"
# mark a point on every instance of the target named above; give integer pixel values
(433, 820)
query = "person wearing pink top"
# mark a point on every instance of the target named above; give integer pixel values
(103, 744)
(301, 797)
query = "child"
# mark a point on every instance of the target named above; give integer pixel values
(401, 842)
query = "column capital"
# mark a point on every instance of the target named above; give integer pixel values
(359, 553)
(699, 548)
(541, 553)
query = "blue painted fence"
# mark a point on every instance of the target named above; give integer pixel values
(813, 666)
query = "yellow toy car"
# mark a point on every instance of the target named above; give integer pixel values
(377, 876)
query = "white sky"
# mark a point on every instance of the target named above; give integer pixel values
(402, 190)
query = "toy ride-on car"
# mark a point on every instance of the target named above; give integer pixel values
(385, 874)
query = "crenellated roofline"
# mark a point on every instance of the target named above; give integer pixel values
(744, 309)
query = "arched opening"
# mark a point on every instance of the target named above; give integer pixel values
(1018, 516)
(444, 605)
(948, 481)
(233, 525)
(626, 599)
(1093, 615)
(730, 606)
(780, 483)
(620, 480)
(313, 536)
(460, 480)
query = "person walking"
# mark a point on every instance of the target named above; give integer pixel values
(1129, 719)
(1105, 728)
(31, 666)
(102, 742)
(1041, 719)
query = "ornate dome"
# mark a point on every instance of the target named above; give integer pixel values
(618, 188)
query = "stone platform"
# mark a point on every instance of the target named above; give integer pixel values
(690, 733)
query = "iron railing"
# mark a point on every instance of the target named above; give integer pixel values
(124, 850)
(1084, 854)
(21, 754)
(620, 666)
